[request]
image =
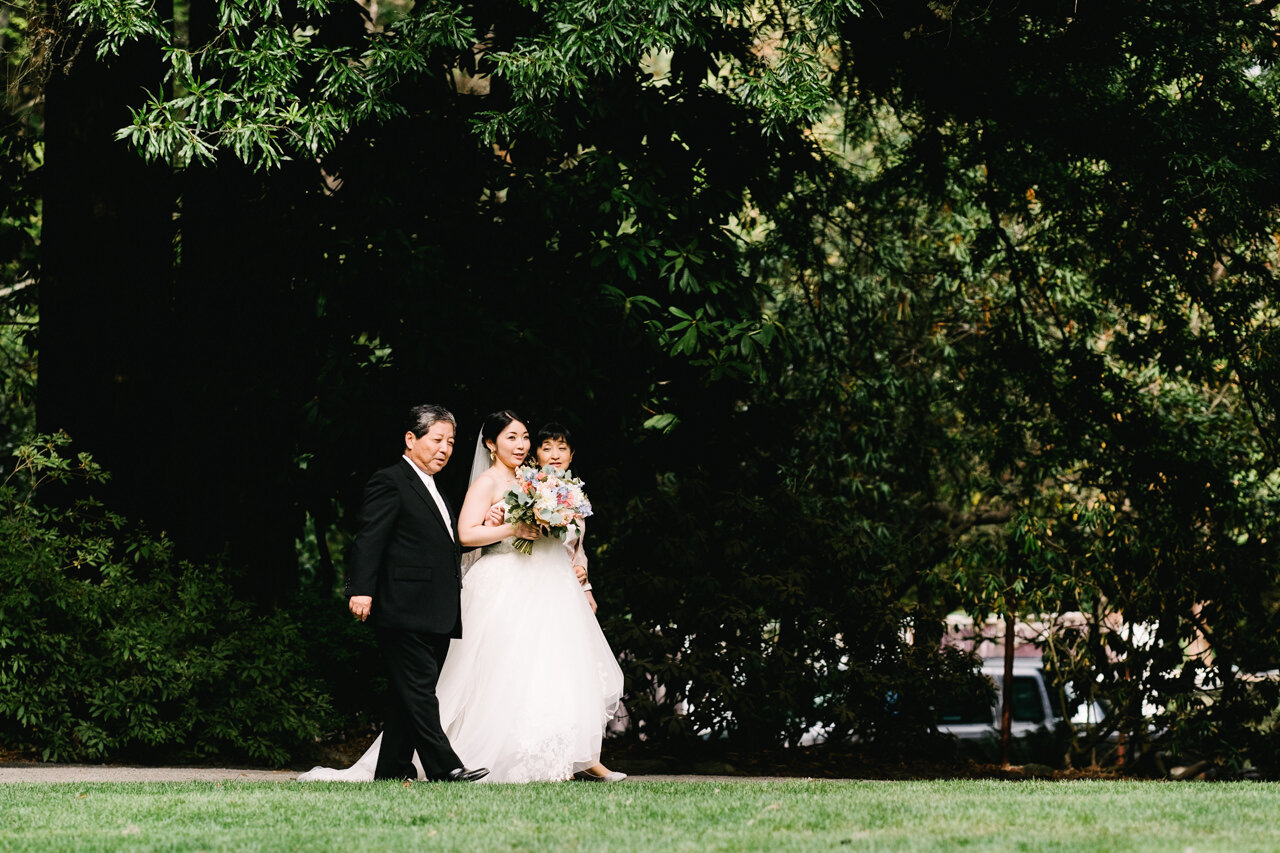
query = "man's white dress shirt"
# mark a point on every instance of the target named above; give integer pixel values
(430, 483)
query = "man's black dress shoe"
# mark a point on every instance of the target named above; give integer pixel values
(462, 774)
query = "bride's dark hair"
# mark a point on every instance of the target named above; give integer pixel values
(496, 423)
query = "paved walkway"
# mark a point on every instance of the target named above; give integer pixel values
(111, 773)
(75, 773)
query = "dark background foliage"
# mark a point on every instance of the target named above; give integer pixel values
(861, 316)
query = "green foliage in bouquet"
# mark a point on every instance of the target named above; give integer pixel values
(109, 647)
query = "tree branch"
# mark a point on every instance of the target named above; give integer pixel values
(16, 286)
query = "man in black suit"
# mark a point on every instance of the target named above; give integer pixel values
(404, 578)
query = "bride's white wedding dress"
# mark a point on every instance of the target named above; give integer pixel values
(530, 687)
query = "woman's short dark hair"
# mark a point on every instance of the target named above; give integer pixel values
(497, 422)
(423, 418)
(554, 431)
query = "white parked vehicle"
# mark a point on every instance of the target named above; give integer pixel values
(1035, 707)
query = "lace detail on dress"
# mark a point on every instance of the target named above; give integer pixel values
(542, 752)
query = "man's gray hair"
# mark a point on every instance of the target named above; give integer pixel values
(423, 418)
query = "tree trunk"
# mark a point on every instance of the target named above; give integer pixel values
(1006, 704)
(105, 270)
(240, 356)
(178, 375)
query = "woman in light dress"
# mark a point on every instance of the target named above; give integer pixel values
(555, 448)
(529, 688)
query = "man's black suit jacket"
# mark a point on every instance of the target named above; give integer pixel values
(404, 557)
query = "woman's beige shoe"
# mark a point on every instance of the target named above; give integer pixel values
(611, 776)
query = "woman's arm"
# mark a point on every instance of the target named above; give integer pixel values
(472, 530)
(580, 552)
(580, 563)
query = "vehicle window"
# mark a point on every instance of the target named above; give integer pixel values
(963, 714)
(1027, 706)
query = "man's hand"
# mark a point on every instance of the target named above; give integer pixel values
(581, 572)
(361, 606)
(497, 514)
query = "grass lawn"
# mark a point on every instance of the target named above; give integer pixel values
(659, 816)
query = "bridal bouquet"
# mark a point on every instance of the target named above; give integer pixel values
(547, 498)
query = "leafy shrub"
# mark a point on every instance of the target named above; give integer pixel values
(110, 647)
(742, 623)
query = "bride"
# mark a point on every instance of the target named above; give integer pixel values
(528, 689)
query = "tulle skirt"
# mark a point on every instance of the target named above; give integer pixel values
(529, 688)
